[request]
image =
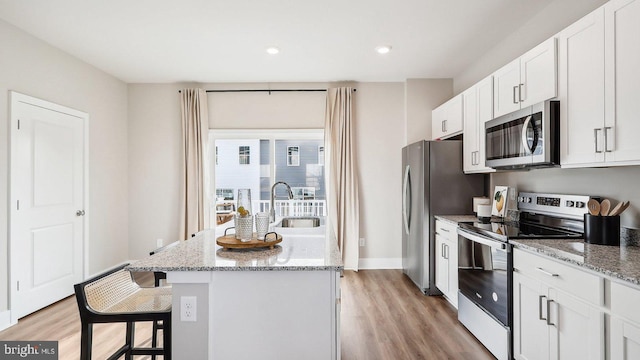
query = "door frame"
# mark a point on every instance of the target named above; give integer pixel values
(15, 98)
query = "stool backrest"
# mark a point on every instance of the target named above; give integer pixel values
(106, 291)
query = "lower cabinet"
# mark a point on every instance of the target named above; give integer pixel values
(447, 260)
(625, 340)
(549, 322)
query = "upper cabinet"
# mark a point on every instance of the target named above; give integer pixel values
(446, 119)
(478, 109)
(528, 80)
(599, 97)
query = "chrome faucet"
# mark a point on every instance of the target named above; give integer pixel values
(272, 208)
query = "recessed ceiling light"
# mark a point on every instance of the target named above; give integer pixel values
(272, 50)
(384, 49)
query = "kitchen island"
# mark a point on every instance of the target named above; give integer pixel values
(280, 303)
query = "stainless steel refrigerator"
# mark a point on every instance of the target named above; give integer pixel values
(433, 183)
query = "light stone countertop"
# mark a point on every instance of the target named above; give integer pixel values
(298, 251)
(455, 219)
(619, 262)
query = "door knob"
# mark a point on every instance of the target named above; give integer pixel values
(80, 213)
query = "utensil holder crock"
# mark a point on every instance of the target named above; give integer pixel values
(602, 230)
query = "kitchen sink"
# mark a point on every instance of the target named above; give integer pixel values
(300, 222)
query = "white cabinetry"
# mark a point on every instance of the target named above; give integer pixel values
(581, 89)
(599, 97)
(625, 322)
(527, 80)
(447, 260)
(478, 109)
(446, 119)
(556, 310)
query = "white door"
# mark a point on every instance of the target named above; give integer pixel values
(442, 266)
(506, 89)
(538, 74)
(47, 203)
(485, 113)
(622, 80)
(581, 90)
(530, 329)
(625, 340)
(470, 148)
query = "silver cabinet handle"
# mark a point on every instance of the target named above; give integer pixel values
(515, 101)
(80, 213)
(520, 92)
(442, 250)
(606, 146)
(595, 136)
(549, 313)
(443, 229)
(540, 308)
(546, 272)
(442, 125)
(446, 251)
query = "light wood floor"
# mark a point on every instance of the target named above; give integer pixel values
(384, 316)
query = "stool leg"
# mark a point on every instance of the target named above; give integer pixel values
(154, 337)
(85, 341)
(166, 337)
(129, 340)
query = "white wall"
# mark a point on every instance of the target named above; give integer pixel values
(155, 148)
(32, 67)
(553, 18)
(421, 97)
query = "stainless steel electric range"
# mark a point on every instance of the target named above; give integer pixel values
(485, 262)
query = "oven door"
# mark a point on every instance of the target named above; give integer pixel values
(484, 274)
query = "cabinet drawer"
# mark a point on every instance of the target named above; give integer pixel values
(624, 302)
(579, 283)
(447, 230)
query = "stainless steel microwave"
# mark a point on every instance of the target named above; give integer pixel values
(525, 138)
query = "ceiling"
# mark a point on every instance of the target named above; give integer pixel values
(163, 41)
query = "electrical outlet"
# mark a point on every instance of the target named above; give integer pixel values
(361, 241)
(188, 306)
(159, 243)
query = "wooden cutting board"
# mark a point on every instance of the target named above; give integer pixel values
(230, 241)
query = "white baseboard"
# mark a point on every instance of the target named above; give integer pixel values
(379, 263)
(5, 319)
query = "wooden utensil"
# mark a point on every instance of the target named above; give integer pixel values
(605, 206)
(615, 211)
(624, 207)
(594, 207)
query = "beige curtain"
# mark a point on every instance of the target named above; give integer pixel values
(342, 177)
(195, 128)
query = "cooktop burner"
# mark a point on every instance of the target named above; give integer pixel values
(517, 230)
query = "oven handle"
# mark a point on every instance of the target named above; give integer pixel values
(482, 240)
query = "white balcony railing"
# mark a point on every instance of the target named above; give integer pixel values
(293, 207)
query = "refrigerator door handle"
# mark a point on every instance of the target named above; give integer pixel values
(406, 199)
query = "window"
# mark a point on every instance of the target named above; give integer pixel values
(320, 155)
(293, 156)
(224, 194)
(273, 154)
(244, 155)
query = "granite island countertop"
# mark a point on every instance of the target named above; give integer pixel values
(299, 251)
(618, 262)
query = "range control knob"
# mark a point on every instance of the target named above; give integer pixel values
(580, 204)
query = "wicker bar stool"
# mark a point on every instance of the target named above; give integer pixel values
(115, 297)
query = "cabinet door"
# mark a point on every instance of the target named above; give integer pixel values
(538, 74)
(485, 113)
(442, 266)
(581, 90)
(576, 330)
(506, 89)
(437, 121)
(622, 76)
(451, 252)
(625, 340)
(530, 330)
(453, 124)
(470, 141)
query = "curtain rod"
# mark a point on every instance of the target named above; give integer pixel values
(266, 90)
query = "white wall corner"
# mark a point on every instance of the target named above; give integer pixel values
(5, 319)
(379, 263)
